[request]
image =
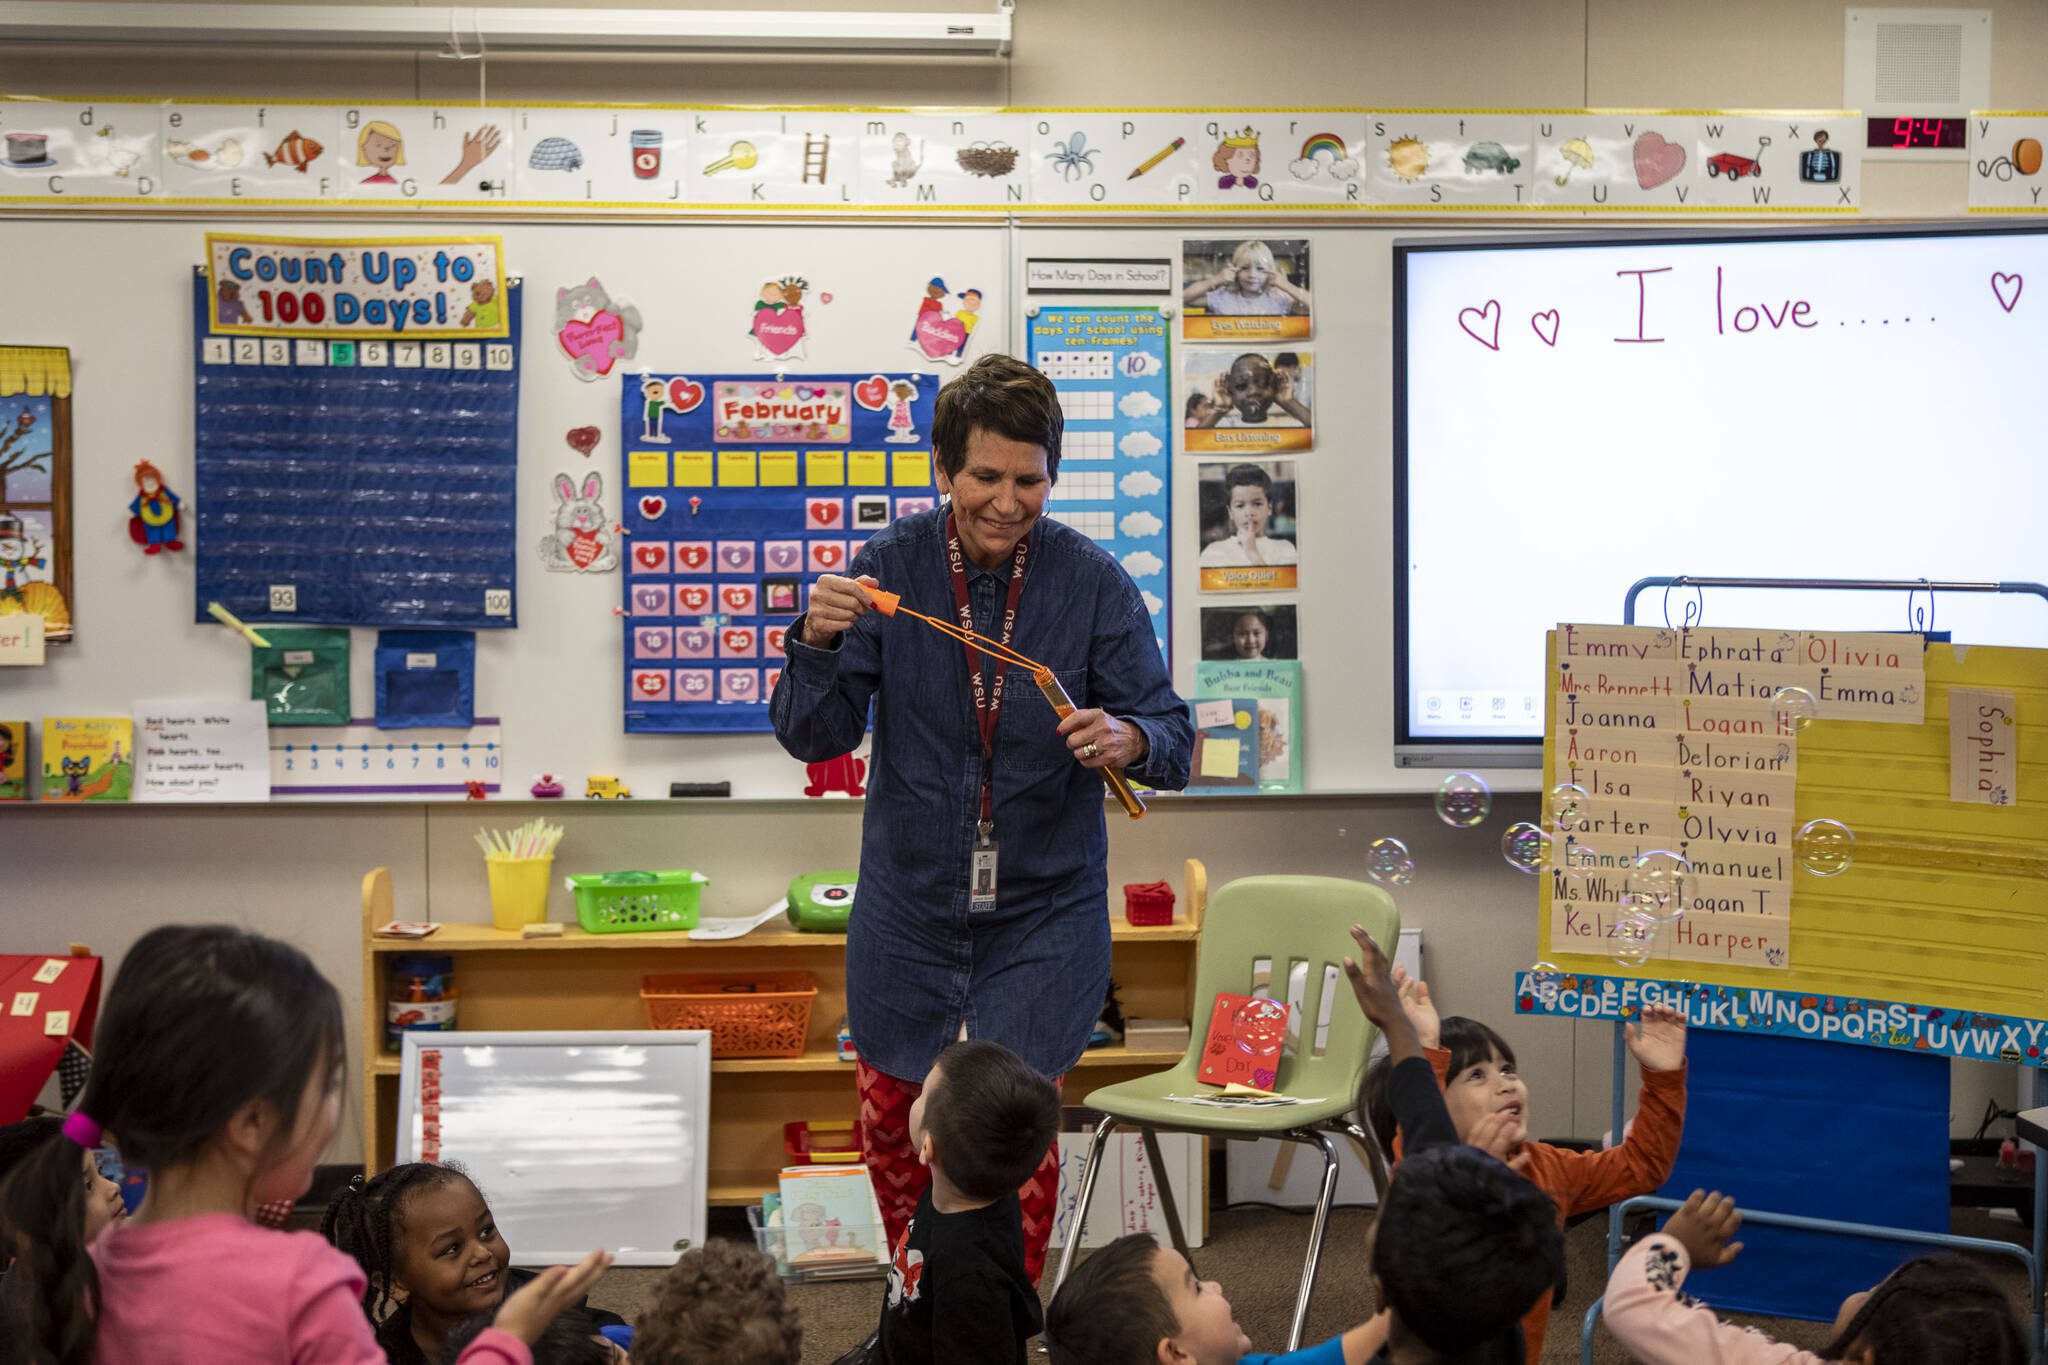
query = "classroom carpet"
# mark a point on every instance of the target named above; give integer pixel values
(1256, 1254)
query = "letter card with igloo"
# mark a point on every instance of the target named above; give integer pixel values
(740, 490)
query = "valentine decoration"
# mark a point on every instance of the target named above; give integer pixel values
(583, 440)
(153, 512)
(778, 327)
(594, 331)
(741, 490)
(941, 336)
(584, 539)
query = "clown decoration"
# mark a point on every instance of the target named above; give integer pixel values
(153, 514)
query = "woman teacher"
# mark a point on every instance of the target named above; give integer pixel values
(983, 903)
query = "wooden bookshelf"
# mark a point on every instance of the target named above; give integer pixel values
(592, 981)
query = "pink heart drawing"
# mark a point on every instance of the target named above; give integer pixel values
(683, 396)
(1657, 160)
(1489, 317)
(2000, 282)
(650, 557)
(653, 506)
(824, 298)
(590, 344)
(939, 336)
(872, 393)
(778, 332)
(694, 597)
(1538, 320)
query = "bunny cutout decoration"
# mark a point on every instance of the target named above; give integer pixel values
(584, 539)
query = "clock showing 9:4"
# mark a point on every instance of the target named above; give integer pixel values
(1903, 132)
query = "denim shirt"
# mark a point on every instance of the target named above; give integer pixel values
(1032, 972)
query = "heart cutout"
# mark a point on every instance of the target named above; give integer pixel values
(782, 556)
(827, 555)
(738, 599)
(683, 396)
(825, 512)
(735, 555)
(692, 556)
(1657, 160)
(872, 393)
(778, 333)
(652, 684)
(583, 440)
(2001, 282)
(1489, 316)
(939, 336)
(1538, 322)
(773, 639)
(652, 506)
(695, 641)
(695, 683)
(652, 641)
(694, 597)
(650, 557)
(824, 298)
(594, 345)
(737, 640)
(650, 599)
(740, 683)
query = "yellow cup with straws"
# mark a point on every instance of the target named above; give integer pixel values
(519, 864)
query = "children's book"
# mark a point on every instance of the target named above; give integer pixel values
(1270, 744)
(829, 1214)
(13, 760)
(1246, 1033)
(88, 758)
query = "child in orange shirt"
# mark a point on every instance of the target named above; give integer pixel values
(1489, 1104)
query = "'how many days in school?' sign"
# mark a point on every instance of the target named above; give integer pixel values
(331, 287)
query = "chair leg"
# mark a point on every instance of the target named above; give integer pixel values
(1375, 1162)
(1315, 1236)
(1102, 1132)
(1166, 1204)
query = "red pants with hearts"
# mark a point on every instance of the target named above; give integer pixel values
(900, 1178)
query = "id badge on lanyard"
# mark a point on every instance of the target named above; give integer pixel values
(982, 863)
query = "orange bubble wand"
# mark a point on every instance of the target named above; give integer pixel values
(891, 604)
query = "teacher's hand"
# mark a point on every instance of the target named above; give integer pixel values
(1116, 743)
(836, 603)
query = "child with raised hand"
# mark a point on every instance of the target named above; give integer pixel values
(218, 1070)
(432, 1255)
(1488, 1102)
(1936, 1308)
(720, 1302)
(958, 1290)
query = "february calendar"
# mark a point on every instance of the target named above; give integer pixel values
(1109, 365)
(740, 491)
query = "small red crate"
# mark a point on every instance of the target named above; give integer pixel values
(1148, 904)
(823, 1144)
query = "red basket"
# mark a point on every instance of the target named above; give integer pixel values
(766, 1015)
(822, 1144)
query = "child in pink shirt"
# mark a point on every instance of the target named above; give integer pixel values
(219, 1072)
(1932, 1309)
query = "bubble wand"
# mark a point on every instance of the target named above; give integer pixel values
(890, 604)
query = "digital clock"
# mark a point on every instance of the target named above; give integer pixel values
(1907, 133)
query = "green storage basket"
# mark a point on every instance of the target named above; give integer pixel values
(636, 902)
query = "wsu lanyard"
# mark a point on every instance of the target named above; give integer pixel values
(988, 705)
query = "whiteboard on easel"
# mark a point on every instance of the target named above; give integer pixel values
(578, 1140)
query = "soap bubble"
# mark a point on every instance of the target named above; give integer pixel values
(1464, 800)
(1525, 846)
(1544, 979)
(1566, 803)
(1795, 708)
(1387, 860)
(1657, 879)
(1824, 847)
(1573, 859)
(1634, 939)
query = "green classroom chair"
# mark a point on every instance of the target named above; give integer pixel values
(1281, 921)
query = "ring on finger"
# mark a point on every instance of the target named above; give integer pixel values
(1089, 750)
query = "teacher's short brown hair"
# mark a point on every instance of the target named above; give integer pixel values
(1003, 395)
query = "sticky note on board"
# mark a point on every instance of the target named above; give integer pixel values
(24, 1003)
(647, 469)
(825, 468)
(52, 968)
(736, 469)
(1212, 713)
(1219, 757)
(693, 469)
(867, 468)
(913, 469)
(778, 469)
(57, 1024)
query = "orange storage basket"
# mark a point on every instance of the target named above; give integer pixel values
(765, 1015)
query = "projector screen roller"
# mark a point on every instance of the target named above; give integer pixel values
(1573, 415)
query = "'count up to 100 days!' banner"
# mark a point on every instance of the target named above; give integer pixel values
(388, 287)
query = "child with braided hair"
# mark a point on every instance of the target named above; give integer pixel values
(432, 1256)
(1935, 1308)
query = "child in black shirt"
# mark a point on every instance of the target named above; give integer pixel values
(957, 1287)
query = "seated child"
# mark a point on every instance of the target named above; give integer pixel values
(1488, 1103)
(563, 1343)
(218, 1069)
(433, 1256)
(1135, 1302)
(103, 1206)
(1936, 1308)
(722, 1301)
(957, 1289)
